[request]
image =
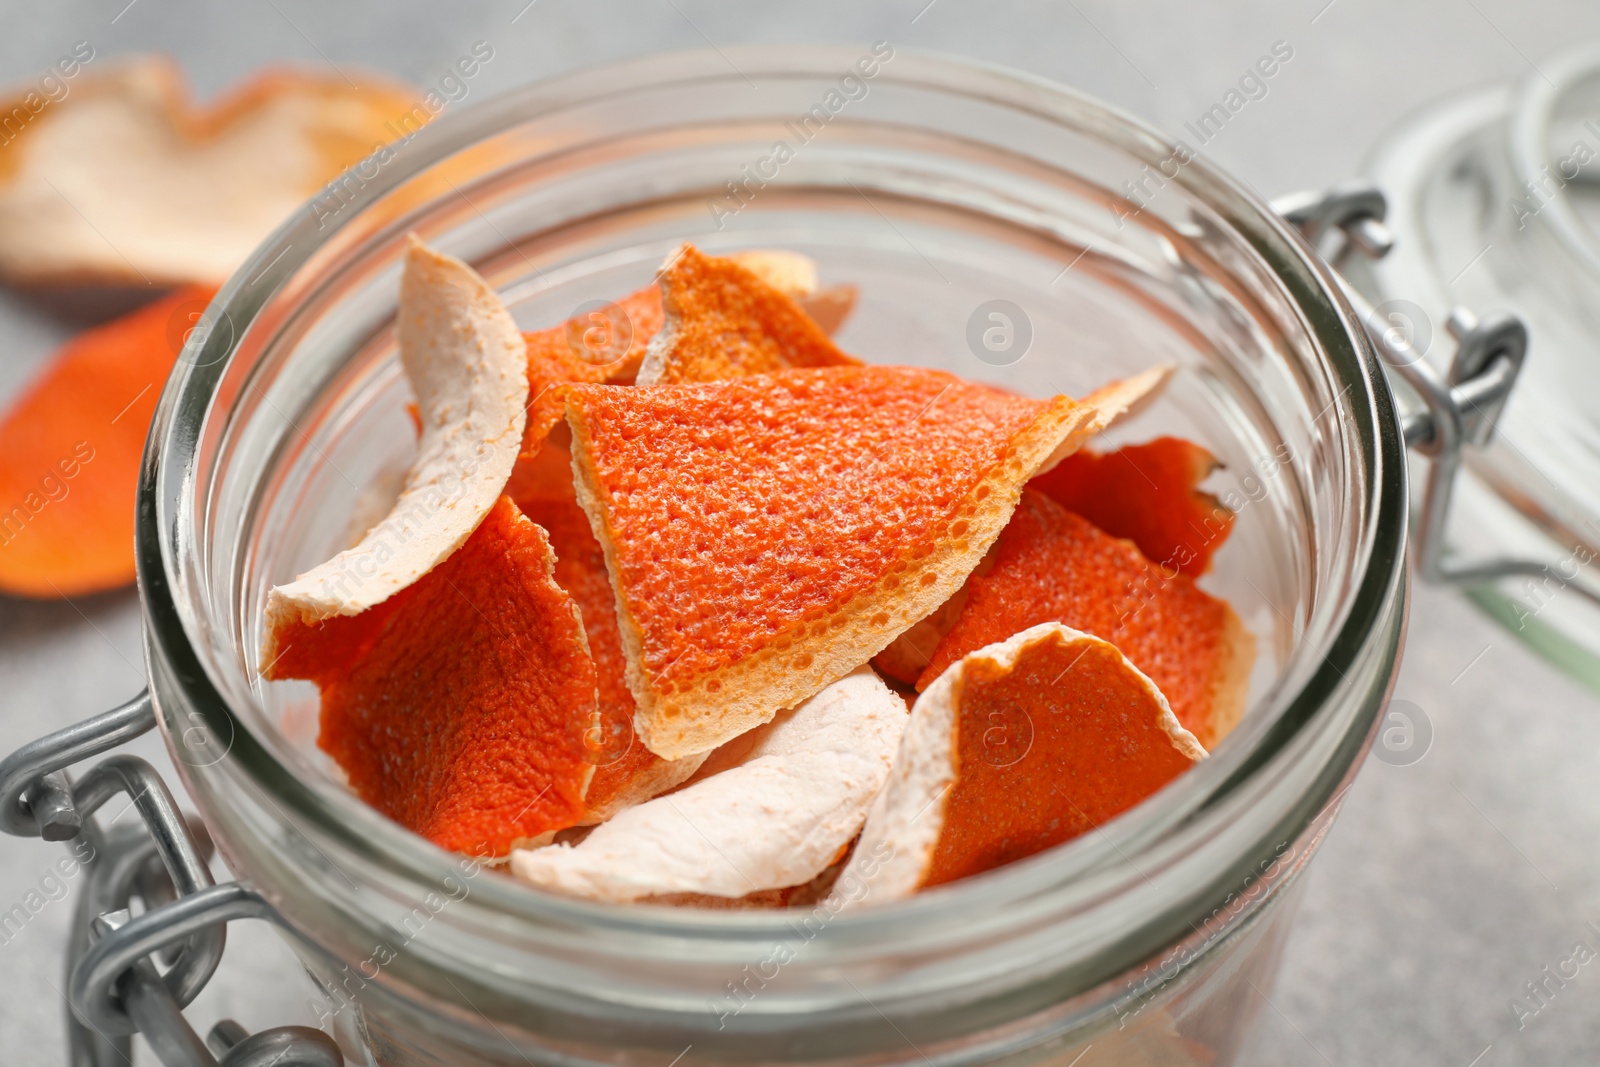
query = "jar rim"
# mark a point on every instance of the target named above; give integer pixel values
(167, 501)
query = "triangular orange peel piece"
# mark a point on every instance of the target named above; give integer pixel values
(1054, 566)
(70, 448)
(724, 321)
(465, 705)
(777, 817)
(467, 365)
(767, 535)
(1148, 493)
(1018, 747)
(125, 182)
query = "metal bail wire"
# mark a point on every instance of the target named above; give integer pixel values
(1460, 405)
(129, 974)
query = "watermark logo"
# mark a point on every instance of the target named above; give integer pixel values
(606, 743)
(851, 87)
(1406, 735)
(1404, 328)
(600, 333)
(999, 332)
(1007, 737)
(199, 332)
(197, 742)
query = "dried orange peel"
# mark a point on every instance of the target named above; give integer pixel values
(607, 343)
(1018, 747)
(601, 345)
(778, 817)
(1148, 493)
(1054, 566)
(723, 321)
(71, 447)
(626, 773)
(768, 534)
(466, 715)
(125, 182)
(467, 365)
(908, 655)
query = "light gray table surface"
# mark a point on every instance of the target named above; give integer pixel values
(1445, 885)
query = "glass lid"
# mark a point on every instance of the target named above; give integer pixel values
(1493, 203)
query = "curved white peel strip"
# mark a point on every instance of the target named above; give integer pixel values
(468, 366)
(796, 797)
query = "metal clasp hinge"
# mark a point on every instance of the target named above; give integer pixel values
(1459, 405)
(115, 986)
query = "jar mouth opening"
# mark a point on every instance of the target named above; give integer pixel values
(194, 615)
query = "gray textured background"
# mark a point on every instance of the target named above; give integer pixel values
(1445, 886)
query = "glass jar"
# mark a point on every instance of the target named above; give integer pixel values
(937, 186)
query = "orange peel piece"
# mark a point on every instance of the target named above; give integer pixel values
(72, 444)
(125, 182)
(1054, 566)
(724, 321)
(601, 345)
(467, 365)
(791, 273)
(778, 817)
(626, 773)
(908, 655)
(1148, 493)
(1019, 747)
(608, 343)
(465, 711)
(767, 535)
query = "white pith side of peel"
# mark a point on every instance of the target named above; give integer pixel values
(777, 818)
(467, 364)
(1113, 403)
(903, 828)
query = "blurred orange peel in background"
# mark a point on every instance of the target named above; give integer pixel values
(124, 185)
(70, 449)
(126, 182)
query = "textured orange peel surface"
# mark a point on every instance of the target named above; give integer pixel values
(1021, 745)
(603, 344)
(1060, 741)
(625, 771)
(1148, 493)
(464, 706)
(724, 321)
(767, 534)
(1054, 566)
